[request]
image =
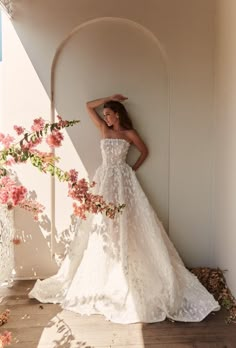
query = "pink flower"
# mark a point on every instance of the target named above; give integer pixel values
(5, 339)
(62, 123)
(4, 195)
(10, 192)
(79, 211)
(73, 175)
(89, 203)
(19, 130)
(18, 194)
(38, 124)
(54, 139)
(6, 140)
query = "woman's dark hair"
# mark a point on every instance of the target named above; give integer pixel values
(118, 107)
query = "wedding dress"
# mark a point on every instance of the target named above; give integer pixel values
(126, 269)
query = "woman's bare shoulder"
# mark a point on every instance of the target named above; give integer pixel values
(131, 134)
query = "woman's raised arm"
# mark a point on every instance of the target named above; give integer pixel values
(91, 108)
(93, 104)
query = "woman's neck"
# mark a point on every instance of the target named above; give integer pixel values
(117, 128)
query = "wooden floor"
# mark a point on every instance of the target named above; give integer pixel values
(47, 326)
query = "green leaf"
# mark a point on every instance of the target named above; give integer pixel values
(52, 127)
(26, 137)
(33, 138)
(24, 156)
(3, 171)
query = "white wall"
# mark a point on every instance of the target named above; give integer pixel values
(225, 126)
(23, 98)
(181, 113)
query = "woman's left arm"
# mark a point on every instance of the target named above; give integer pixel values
(141, 146)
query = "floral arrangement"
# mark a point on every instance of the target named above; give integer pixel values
(5, 338)
(214, 280)
(25, 149)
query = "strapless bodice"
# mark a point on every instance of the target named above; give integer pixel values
(114, 151)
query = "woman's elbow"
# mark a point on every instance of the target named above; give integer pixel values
(145, 153)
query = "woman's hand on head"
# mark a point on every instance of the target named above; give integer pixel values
(118, 97)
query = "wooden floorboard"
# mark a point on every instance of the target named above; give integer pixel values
(35, 325)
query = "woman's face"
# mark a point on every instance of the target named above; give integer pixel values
(110, 117)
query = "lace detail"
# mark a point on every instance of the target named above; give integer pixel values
(7, 231)
(126, 269)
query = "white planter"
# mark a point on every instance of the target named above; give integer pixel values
(7, 232)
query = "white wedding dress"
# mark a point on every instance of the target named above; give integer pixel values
(126, 269)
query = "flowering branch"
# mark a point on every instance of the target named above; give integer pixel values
(25, 150)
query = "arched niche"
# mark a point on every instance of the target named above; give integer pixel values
(106, 56)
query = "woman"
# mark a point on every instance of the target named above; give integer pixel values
(116, 123)
(126, 269)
